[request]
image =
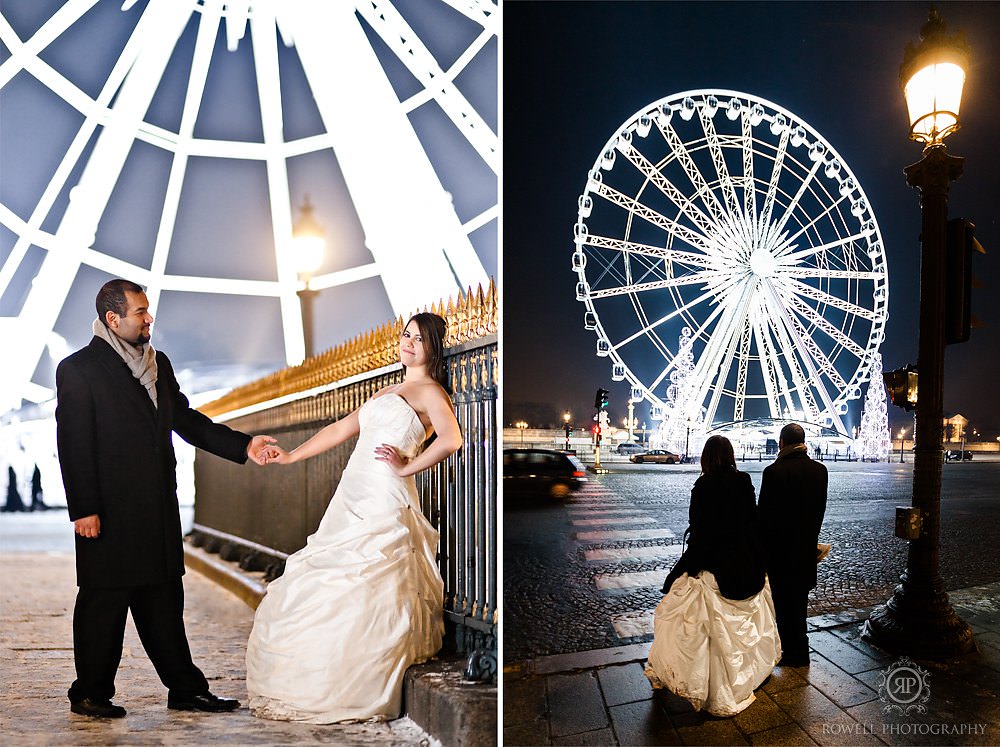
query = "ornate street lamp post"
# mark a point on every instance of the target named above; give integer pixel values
(521, 425)
(918, 619)
(902, 433)
(566, 427)
(309, 243)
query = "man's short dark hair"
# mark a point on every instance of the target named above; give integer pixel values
(792, 434)
(111, 297)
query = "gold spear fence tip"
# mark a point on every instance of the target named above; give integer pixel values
(471, 316)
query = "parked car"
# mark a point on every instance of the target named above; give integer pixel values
(958, 455)
(630, 448)
(542, 471)
(655, 456)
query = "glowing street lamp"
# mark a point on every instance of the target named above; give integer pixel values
(566, 427)
(521, 425)
(918, 619)
(933, 75)
(308, 243)
(902, 432)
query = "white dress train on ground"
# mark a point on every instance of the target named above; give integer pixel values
(362, 601)
(710, 650)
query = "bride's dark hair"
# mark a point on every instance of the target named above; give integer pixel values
(433, 330)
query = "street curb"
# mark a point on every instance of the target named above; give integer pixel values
(222, 573)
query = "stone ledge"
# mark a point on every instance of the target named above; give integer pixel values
(456, 712)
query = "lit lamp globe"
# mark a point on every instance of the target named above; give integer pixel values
(308, 243)
(932, 76)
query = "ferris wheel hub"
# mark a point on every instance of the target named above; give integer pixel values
(763, 263)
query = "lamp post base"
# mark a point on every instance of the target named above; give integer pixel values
(919, 622)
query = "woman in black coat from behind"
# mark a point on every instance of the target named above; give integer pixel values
(723, 526)
(715, 639)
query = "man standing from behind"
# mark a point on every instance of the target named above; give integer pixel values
(790, 508)
(118, 401)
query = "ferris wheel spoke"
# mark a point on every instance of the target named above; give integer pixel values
(786, 260)
(693, 279)
(406, 45)
(822, 272)
(790, 241)
(739, 401)
(791, 207)
(788, 339)
(632, 247)
(807, 347)
(837, 335)
(723, 358)
(768, 361)
(707, 295)
(719, 160)
(701, 187)
(696, 334)
(772, 187)
(668, 188)
(749, 193)
(208, 27)
(20, 53)
(816, 294)
(639, 210)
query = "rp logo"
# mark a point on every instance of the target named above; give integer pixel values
(904, 688)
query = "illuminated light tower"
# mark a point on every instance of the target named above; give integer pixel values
(918, 619)
(875, 437)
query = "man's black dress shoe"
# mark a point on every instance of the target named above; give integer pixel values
(97, 708)
(203, 702)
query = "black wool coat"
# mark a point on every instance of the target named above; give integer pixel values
(118, 462)
(724, 537)
(791, 507)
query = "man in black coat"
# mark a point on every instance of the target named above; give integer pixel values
(118, 402)
(790, 508)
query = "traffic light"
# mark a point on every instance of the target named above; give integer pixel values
(902, 386)
(961, 243)
(601, 399)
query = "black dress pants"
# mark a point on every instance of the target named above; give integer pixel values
(99, 631)
(790, 605)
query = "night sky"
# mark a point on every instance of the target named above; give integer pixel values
(573, 72)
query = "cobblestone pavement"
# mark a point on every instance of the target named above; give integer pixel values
(587, 574)
(603, 698)
(36, 668)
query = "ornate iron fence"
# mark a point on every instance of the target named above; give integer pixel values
(257, 517)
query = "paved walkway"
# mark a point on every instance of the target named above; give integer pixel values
(36, 668)
(602, 697)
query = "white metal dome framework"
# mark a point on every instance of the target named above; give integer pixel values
(420, 249)
(722, 212)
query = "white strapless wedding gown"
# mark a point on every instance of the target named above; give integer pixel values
(362, 601)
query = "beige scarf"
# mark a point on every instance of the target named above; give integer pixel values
(140, 361)
(792, 449)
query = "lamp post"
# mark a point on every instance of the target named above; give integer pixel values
(902, 432)
(308, 241)
(918, 618)
(566, 427)
(521, 425)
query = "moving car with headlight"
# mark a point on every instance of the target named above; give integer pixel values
(655, 456)
(541, 471)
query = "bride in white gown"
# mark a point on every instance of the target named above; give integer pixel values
(363, 600)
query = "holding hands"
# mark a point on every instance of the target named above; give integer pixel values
(256, 447)
(274, 454)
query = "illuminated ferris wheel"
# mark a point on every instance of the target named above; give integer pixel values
(718, 222)
(351, 57)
